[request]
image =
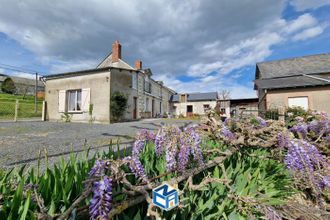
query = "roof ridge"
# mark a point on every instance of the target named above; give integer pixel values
(104, 59)
(293, 58)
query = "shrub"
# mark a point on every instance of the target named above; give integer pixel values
(118, 105)
(66, 117)
(8, 86)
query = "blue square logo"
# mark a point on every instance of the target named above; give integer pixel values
(165, 197)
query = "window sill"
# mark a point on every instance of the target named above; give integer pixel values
(74, 112)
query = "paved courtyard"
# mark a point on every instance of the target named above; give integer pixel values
(20, 142)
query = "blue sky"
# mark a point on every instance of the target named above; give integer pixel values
(192, 47)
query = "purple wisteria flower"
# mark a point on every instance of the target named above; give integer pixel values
(283, 140)
(159, 142)
(326, 181)
(140, 140)
(300, 128)
(136, 167)
(227, 121)
(171, 152)
(98, 169)
(262, 122)
(196, 150)
(100, 205)
(305, 159)
(319, 127)
(183, 157)
(227, 133)
(299, 119)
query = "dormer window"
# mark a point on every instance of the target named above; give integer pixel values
(147, 84)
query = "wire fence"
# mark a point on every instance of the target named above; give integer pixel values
(18, 109)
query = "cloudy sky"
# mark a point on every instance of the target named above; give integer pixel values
(193, 46)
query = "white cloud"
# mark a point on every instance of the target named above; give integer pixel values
(17, 74)
(171, 37)
(210, 84)
(302, 22)
(302, 5)
(308, 33)
(23, 75)
(62, 66)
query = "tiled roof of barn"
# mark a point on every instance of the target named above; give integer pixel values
(196, 96)
(312, 64)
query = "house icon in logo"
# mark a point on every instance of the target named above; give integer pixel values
(165, 197)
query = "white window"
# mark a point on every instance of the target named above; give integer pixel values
(298, 102)
(134, 81)
(147, 105)
(74, 100)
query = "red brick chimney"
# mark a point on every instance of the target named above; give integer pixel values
(138, 64)
(116, 51)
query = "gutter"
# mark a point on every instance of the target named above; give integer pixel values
(318, 78)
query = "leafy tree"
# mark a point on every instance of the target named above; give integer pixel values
(8, 86)
(118, 105)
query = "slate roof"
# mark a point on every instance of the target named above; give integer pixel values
(212, 96)
(312, 64)
(313, 70)
(21, 80)
(107, 62)
(291, 82)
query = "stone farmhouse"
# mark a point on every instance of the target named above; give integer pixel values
(302, 81)
(189, 104)
(76, 92)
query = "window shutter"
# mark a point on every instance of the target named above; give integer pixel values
(61, 100)
(85, 99)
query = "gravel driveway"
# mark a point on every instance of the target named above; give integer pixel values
(20, 142)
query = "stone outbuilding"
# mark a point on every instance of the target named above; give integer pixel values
(76, 93)
(190, 104)
(302, 81)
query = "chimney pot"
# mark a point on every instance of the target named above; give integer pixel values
(138, 64)
(116, 51)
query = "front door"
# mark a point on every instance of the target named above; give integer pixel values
(153, 108)
(134, 107)
(190, 111)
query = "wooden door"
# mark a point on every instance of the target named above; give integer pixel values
(190, 111)
(134, 107)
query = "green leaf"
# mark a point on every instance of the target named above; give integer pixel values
(26, 207)
(137, 216)
(216, 172)
(52, 208)
(16, 201)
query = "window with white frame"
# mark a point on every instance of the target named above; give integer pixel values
(74, 100)
(134, 81)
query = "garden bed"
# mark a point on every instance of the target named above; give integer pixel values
(233, 170)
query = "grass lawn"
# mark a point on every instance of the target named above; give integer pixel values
(25, 109)
(12, 98)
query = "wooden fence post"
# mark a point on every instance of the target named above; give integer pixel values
(43, 114)
(16, 110)
(281, 114)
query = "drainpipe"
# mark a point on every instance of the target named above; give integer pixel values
(262, 98)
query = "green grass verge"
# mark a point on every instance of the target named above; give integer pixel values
(26, 107)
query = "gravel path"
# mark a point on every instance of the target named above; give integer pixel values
(20, 142)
